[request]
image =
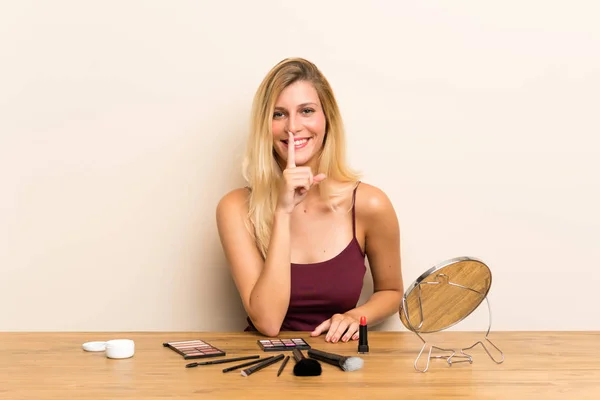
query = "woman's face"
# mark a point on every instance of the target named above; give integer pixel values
(298, 109)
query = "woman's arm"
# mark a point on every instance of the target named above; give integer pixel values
(376, 214)
(264, 285)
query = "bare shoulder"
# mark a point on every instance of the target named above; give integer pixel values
(234, 201)
(232, 213)
(372, 202)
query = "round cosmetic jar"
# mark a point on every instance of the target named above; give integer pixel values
(120, 348)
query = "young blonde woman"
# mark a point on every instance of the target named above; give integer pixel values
(296, 238)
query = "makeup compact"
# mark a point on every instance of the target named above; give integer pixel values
(283, 344)
(190, 349)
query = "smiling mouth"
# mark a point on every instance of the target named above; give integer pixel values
(297, 142)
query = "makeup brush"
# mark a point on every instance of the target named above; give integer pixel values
(305, 366)
(347, 364)
(283, 364)
(221, 361)
(264, 364)
(247, 364)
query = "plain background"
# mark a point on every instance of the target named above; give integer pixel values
(122, 123)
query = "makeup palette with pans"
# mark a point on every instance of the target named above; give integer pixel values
(191, 349)
(283, 344)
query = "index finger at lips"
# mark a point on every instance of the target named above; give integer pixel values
(291, 161)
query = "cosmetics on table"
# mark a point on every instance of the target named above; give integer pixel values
(116, 348)
(283, 344)
(221, 361)
(257, 367)
(283, 364)
(305, 366)
(363, 341)
(344, 363)
(190, 349)
(260, 360)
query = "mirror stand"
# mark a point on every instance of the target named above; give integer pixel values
(453, 358)
(438, 286)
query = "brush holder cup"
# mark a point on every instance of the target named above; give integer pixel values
(442, 297)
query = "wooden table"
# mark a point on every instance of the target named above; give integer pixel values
(544, 365)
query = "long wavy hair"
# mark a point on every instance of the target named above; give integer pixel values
(260, 167)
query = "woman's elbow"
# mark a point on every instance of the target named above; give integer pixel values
(267, 328)
(270, 331)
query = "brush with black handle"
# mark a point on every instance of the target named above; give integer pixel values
(305, 366)
(344, 363)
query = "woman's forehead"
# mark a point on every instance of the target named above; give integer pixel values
(300, 92)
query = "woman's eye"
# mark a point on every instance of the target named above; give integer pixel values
(277, 114)
(308, 110)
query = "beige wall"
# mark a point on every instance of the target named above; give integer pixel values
(122, 124)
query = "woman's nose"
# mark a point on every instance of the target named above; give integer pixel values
(293, 124)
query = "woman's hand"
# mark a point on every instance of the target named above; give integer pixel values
(297, 181)
(339, 326)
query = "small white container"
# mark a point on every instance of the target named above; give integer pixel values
(120, 348)
(94, 346)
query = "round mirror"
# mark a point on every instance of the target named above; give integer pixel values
(445, 295)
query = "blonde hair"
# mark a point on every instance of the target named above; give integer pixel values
(260, 167)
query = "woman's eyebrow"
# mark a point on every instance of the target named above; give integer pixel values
(299, 106)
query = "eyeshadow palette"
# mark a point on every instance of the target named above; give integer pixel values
(283, 344)
(194, 349)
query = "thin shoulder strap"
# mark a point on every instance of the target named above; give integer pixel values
(353, 210)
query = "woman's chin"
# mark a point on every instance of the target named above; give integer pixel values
(302, 161)
(302, 158)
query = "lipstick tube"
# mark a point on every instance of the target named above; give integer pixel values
(363, 340)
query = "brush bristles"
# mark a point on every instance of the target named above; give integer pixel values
(307, 367)
(347, 364)
(352, 364)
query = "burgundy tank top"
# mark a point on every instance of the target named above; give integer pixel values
(325, 288)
